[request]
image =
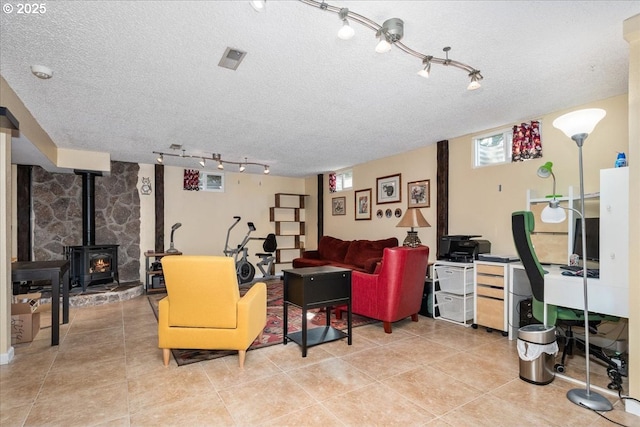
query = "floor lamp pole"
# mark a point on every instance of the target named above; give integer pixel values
(585, 397)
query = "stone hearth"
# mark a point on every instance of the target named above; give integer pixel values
(97, 294)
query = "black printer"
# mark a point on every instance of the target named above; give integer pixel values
(462, 248)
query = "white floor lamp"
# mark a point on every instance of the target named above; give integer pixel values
(577, 125)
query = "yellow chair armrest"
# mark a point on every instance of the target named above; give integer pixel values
(252, 311)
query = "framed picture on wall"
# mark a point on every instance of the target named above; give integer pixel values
(338, 206)
(419, 193)
(388, 189)
(363, 204)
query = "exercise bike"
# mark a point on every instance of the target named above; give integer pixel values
(244, 269)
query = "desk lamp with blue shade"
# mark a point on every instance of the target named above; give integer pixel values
(577, 125)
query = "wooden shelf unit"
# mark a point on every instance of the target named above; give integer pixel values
(150, 273)
(290, 227)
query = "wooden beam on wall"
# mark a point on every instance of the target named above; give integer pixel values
(159, 208)
(23, 207)
(320, 206)
(442, 178)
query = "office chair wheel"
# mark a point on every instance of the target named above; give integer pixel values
(505, 333)
(474, 326)
(559, 367)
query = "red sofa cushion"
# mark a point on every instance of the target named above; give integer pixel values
(363, 253)
(333, 249)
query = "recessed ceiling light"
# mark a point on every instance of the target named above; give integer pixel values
(41, 72)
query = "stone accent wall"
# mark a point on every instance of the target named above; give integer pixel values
(57, 215)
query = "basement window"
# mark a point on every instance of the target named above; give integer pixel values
(493, 148)
(344, 180)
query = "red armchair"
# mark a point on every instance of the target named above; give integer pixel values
(395, 291)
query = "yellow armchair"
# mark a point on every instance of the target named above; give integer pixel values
(203, 308)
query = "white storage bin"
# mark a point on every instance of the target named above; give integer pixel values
(452, 279)
(451, 306)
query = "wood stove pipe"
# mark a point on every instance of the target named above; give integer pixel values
(88, 206)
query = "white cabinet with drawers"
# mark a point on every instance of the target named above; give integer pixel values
(453, 292)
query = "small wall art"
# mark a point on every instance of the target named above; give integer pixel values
(363, 204)
(338, 206)
(145, 188)
(419, 194)
(388, 189)
(191, 180)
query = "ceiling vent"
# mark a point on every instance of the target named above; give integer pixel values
(231, 58)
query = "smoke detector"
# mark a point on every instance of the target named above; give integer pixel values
(41, 72)
(231, 58)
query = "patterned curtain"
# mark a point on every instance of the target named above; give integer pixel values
(332, 183)
(527, 144)
(191, 180)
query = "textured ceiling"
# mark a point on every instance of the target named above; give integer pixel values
(135, 77)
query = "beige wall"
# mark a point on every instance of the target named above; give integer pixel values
(206, 216)
(482, 199)
(416, 165)
(6, 351)
(632, 35)
(477, 206)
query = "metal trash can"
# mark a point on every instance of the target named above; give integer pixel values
(537, 348)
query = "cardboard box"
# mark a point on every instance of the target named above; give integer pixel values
(25, 317)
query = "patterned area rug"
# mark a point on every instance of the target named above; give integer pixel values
(272, 333)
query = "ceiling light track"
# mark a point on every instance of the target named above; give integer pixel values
(391, 32)
(214, 157)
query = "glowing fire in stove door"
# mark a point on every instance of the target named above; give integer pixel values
(100, 264)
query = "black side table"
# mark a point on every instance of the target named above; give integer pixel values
(316, 287)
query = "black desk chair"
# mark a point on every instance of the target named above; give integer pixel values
(522, 224)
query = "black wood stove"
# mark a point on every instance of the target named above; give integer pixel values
(91, 264)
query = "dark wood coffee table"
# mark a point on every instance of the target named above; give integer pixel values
(316, 287)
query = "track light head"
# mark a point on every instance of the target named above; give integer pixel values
(266, 170)
(203, 162)
(384, 45)
(160, 158)
(346, 32)
(426, 71)
(392, 31)
(475, 80)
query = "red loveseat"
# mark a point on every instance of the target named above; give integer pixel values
(358, 255)
(395, 291)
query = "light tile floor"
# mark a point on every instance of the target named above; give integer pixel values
(108, 371)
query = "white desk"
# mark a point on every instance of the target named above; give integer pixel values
(566, 291)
